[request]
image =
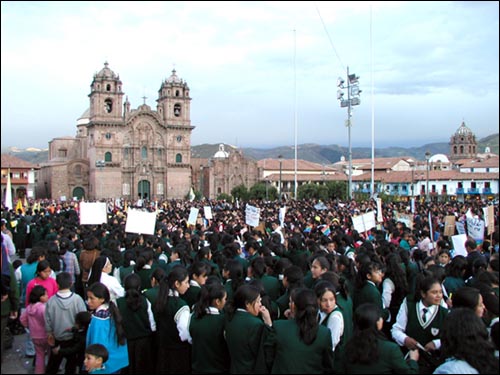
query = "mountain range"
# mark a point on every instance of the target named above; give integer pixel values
(315, 153)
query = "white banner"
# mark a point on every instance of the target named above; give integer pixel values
(460, 227)
(459, 244)
(93, 213)
(193, 215)
(380, 218)
(281, 215)
(142, 222)
(365, 222)
(207, 210)
(252, 215)
(475, 228)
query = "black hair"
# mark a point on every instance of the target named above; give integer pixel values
(83, 318)
(208, 294)
(306, 314)
(179, 274)
(362, 347)
(464, 336)
(132, 286)
(243, 295)
(101, 291)
(98, 350)
(64, 280)
(37, 292)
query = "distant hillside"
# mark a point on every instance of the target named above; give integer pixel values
(307, 151)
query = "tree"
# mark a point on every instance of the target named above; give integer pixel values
(337, 189)
(224, 196)
(263, 191)
(240, 192)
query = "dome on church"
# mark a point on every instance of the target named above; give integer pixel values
(173, 78)
(106, 72)
(439, 158)
(463, 130)
(221, 154)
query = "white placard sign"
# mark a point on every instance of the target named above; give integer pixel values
(475, 228)
(365, 222)
(281, 215)
(459, 244)
(139, 221)
(252, 215)
(380, 218)
(93, 213)
(208, 212)
(460, 227)
(193, 215)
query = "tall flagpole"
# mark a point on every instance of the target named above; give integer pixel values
(372, 185)
(295, 104)
(8, 193)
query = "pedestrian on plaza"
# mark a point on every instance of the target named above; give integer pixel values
(465, 345)
(60, 315)
(172, 314)
(106, 327)
(370, 352)
(33, 319)
(300, 345)
(210, 354)
(139, 325)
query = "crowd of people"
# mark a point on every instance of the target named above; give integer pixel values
(302, 292)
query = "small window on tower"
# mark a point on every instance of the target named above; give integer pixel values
(108, 87)
(176, 92)
(177, 110)
(108, 105)
(108, 136)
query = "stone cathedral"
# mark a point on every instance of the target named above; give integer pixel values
(124, 152)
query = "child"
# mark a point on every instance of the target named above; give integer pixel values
(59, 319)
(42, 278)
(96, 356)
(77, 346)
(33, 318)
(106, 327)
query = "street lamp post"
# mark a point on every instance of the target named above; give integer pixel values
(427, 157)
(280, 157)
(353, 92)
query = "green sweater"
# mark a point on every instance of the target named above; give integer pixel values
(209, 354)
(390, 361)
(244, 336)
(135, 323)
(286, 353)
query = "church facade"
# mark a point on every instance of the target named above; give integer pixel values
(119, 152)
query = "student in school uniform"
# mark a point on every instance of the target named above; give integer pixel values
(366, 290)
(198, 274)
(245, 331)
(139, 325)
(370, 352)
(420, 319)
(172, 314)
(300, 345)
(210, 354)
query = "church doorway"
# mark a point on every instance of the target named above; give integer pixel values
(144, 189)
(78, 193)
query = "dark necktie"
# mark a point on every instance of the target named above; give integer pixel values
(424, 314)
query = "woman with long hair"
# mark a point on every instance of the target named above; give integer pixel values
(370, 352)
(209, 351)
(139, 325)
(300, 345)
(171, 314)
(245, 330)
(465, 345)
(100, 272)
(106, 327)
(420, 319)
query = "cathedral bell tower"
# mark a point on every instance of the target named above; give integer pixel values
(106, 96)
(174, 101)
(463, 144)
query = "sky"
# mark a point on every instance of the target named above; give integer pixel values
(261, 74)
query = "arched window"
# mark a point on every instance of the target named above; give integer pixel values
(177, 110)
(78, 170)
(108, 105)
(178, 158)
(144, 152)
(108, 157)
(108, 87)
